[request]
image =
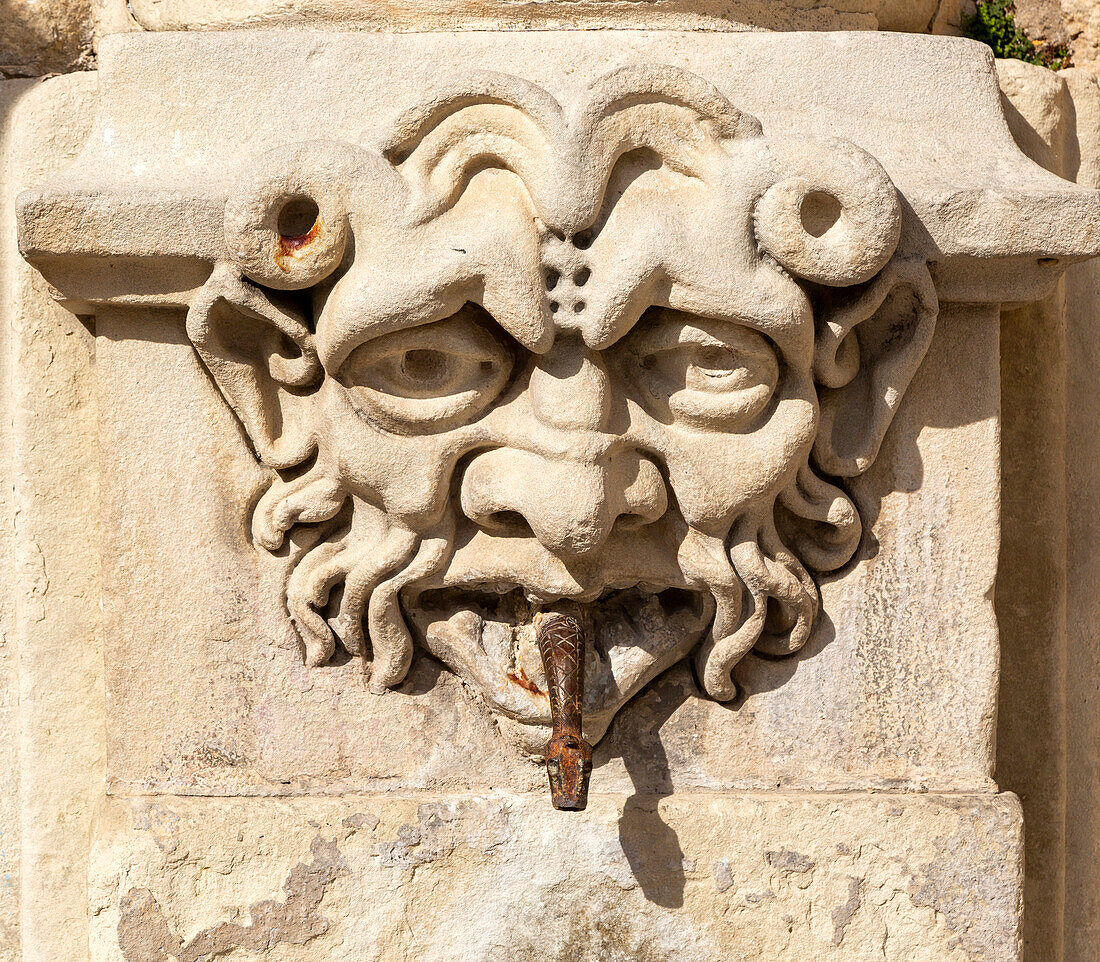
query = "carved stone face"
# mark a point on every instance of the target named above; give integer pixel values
(594, 356)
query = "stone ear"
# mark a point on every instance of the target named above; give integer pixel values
(261, 354)
(870, 342)
(286, 228)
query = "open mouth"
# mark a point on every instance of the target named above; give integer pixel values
(486, 635)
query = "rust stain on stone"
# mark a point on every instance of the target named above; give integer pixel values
(290, 246)
(520, 678)
(144, 934)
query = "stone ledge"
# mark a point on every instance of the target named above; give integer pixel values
(152, 181)
(692, 877)
(920, 16)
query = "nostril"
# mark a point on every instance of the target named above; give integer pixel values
(645, 496)
(632, 521)
(506, 523)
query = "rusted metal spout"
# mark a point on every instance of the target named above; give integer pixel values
(568, 755)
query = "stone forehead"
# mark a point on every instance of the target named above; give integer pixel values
(537, 282)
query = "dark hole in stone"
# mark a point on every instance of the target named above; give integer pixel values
(819, 211)
(297, 217)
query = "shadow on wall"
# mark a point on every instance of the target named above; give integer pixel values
(1048, 579)
(651, 845)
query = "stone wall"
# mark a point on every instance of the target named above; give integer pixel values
(169, 877)
(56, 36)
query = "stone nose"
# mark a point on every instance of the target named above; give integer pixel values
(569, 389)
(568, 505)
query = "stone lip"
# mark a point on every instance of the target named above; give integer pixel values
(155, 174)
(487, 637)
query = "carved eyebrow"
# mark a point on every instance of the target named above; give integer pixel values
(777, 308)
(352, 316)
(667, 328)
(380, 299)
(336, 346)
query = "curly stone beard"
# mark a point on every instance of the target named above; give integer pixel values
(352, 568)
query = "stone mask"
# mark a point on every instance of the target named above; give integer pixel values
(601, 356)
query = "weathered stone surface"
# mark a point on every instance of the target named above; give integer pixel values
(208, 691)
(171, 651)
(635, 261)
(917, 16)
(1082, 700)
(1048, 668)
(54, 566)
(45, 36)
(1082, 24)
(693, 877)
(10, 92)
(1031, 599)
(1073, 24)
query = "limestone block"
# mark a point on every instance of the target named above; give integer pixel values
(1074, 24)
(207, 689)
(1046, 731)
(698, 878)
(10, 92)
(208, 692)
(1082, 24)
(49, 393)
(917, 16)
(1083, 565)
(48, 36)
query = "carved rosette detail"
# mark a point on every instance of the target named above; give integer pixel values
(610, 352)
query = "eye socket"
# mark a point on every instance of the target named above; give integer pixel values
(702, 371)
(430, 377)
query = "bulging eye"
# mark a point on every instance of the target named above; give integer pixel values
(431, 377)
(702, 371)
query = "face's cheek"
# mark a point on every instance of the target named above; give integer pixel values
(729, 414)
(407, 475)
(718, 477)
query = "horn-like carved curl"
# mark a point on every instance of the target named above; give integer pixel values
(286, 219)
(835, 218)
(564, 158)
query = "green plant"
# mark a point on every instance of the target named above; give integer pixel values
(994, 24)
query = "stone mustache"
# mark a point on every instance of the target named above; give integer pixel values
(598, 356)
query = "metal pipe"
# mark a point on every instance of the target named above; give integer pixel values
(568, 755)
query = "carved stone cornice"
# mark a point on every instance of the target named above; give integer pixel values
(147, 196)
